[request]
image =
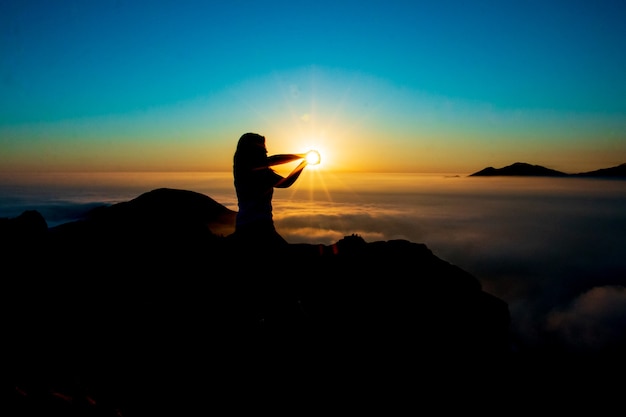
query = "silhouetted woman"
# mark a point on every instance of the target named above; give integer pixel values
(255, 181)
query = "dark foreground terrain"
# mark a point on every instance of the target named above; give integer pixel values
(143, 309)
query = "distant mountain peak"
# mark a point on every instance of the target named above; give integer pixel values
(519, 169)
(524, 169)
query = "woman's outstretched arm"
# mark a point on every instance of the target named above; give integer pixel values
(292, 177)
(283, 158)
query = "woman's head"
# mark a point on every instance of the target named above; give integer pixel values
(251, 142)
(251, 150)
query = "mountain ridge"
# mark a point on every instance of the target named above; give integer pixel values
(98, 300)
(526, 169)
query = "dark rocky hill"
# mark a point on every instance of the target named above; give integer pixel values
(519, 169)
(529, 170)
(143, 309)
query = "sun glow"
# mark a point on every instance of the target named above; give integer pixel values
(317, 155)
(313, 157)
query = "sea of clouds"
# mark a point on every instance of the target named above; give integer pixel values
(552, 248)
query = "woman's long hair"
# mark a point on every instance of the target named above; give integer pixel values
(251, 153)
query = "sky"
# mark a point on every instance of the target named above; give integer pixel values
(444, 86)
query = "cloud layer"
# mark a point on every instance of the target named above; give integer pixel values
(551, 248)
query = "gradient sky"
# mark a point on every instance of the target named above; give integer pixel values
(383, 86)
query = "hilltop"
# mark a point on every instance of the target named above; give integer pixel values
(142, 302)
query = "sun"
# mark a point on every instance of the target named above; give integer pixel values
(313, 157)
(316, 152)
(316, 156)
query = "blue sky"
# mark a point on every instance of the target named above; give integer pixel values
(455, 84)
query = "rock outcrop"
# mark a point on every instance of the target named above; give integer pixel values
(142, 299)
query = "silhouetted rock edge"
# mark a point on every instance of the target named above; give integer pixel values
(98, 299)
